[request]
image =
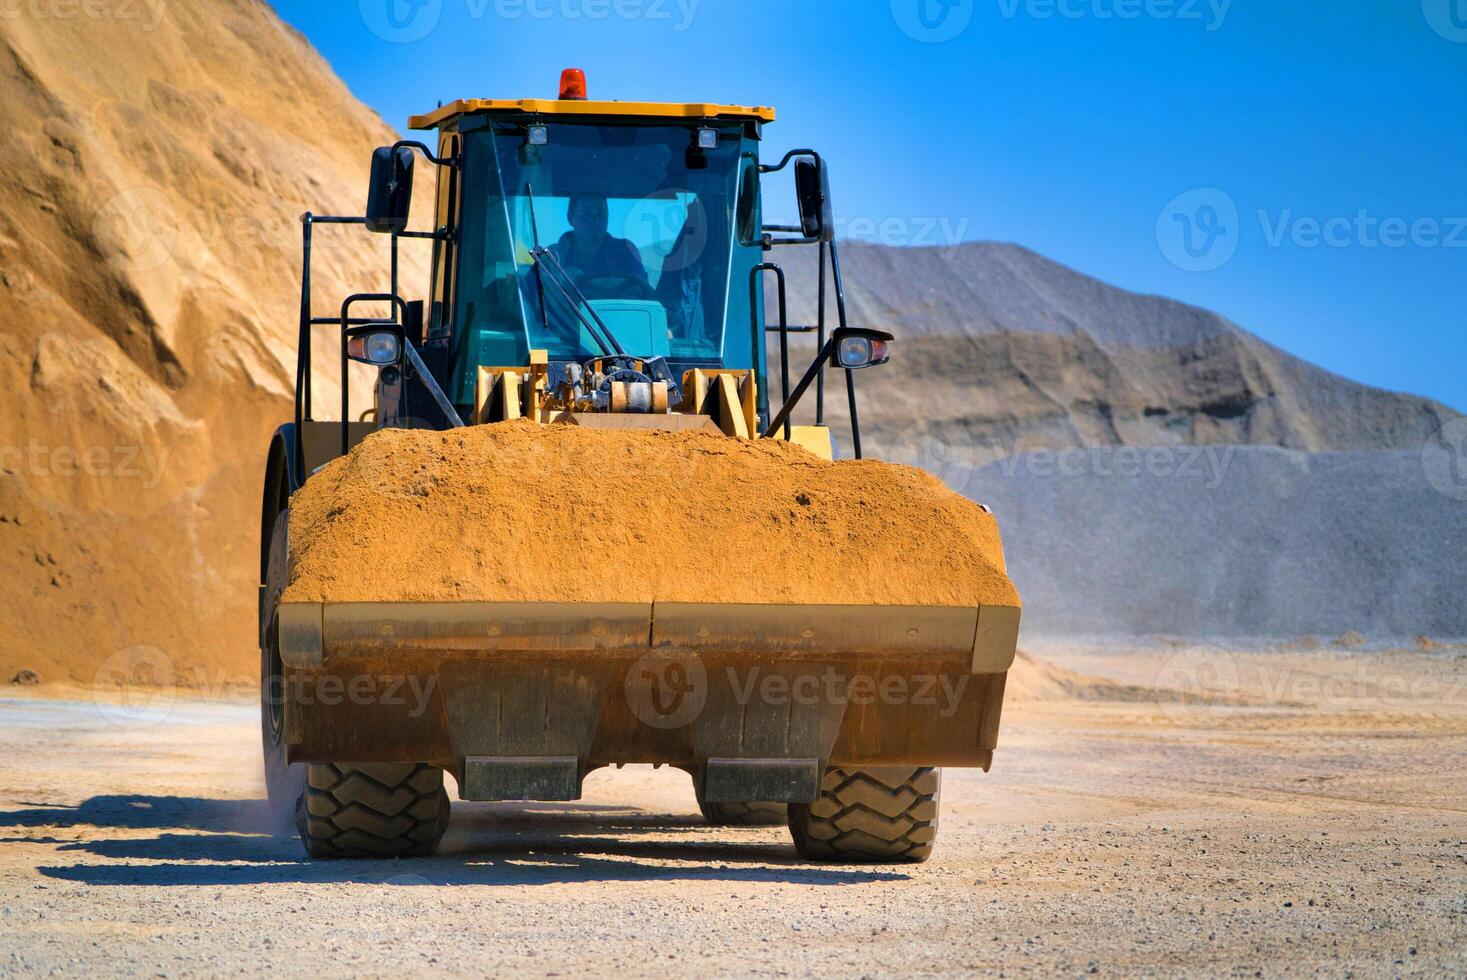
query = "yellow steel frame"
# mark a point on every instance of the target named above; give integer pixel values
(586, 107)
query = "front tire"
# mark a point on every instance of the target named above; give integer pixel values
(284, 782)
(886, 815)
(386, 810)
(377, 811)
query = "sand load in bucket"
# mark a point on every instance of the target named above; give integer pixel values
(519, 512)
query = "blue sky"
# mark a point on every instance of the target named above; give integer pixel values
(1297, 165)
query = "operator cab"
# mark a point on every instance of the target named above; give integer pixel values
(568, 220)
(590, 259)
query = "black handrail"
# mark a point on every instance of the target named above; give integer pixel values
(784, 336)
(303, 342)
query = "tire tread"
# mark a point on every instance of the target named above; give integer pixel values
(881, 815)
(372, 811)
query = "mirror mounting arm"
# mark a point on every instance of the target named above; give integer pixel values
(437, 161)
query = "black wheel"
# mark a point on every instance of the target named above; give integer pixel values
(882, 815)
(284, 783)
(384, 810)
(744, 814)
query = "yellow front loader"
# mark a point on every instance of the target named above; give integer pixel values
(604, 265)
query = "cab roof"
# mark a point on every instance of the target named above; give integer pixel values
(446, 114)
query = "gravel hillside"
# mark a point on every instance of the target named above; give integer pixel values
(1229, 542)
(1002, 350)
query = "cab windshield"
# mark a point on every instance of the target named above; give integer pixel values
(638, 218)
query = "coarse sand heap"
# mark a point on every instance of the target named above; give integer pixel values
(518, 512)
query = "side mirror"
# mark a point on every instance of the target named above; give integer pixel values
(812, 188)
(378, 344)
(854, 348)
(390, 196)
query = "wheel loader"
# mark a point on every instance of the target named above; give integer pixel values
(602, 264)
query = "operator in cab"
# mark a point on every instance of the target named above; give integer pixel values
(602, 265)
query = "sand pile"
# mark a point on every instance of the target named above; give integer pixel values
(1033, 679)
(158, 157)
(519, 512)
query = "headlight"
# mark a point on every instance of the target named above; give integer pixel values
(855, 352)
(375, 348)
(861, 352)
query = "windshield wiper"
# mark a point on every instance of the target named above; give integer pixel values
(655, 368)
(569, 291)
(548, 262)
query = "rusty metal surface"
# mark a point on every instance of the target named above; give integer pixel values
(301, 646)
(664, 423)
(996, 641)
(761, 780)
(315, 632)
(522, 778)
(675, 684)
(795, 629)
(387, 628)
(679, 709)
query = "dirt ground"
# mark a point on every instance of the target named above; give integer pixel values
(1312, 821)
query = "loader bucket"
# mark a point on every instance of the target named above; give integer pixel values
(559, 598)
(521, 700)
